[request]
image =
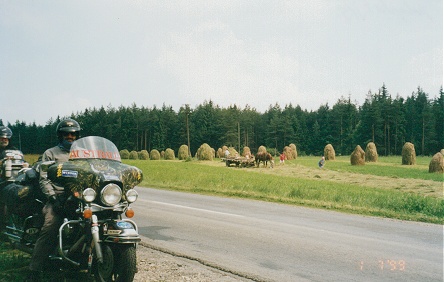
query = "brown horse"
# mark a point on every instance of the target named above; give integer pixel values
(264, 157)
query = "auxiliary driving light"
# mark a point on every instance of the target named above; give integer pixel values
(89, 194)
(131, 195)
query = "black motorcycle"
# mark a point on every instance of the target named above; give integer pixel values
(99, 189)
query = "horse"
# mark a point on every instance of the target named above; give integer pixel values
(264, 157)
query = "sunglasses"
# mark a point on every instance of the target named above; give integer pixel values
(69, 133)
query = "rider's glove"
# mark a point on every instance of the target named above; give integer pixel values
(56, 204)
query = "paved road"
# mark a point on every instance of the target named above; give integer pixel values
(274, 242)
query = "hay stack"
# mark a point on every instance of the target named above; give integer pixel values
(437, 163)
(224, 148)
(183, 152)
(233, 152)
(124, 154)
(294, 151)
(143, 155)
(329, 152)
(154, 155)
(262, 149)
(220, 153)
(246, 151)
(371, 154)
(169, 154)
(408, 154)
(133, 155)
(358, 156)
(205, 152)
(288, 153)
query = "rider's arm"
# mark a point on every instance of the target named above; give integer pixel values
(48, 188)
(45, 183)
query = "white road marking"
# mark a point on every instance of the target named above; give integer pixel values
(191, 208)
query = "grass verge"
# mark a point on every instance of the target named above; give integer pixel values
(13, 263)
(361, 190)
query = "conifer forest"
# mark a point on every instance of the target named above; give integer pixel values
(387, 121)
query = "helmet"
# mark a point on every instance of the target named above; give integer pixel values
(5, 132)
(68, 125)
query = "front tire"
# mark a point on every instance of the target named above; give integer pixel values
(103, 271)
(125, 263)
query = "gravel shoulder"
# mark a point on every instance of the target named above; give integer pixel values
(155, 265)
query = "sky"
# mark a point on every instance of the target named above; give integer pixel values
(62, 57)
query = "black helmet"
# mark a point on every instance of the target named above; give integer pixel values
(5, 132)
(68, 125)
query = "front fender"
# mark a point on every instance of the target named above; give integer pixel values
(120, 231)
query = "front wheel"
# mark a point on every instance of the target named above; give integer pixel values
(119, 264)
(103, 271)
(125, 263)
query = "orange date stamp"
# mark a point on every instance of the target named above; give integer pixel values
(384, 264)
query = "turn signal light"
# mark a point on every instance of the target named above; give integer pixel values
(87, 213)
(129, 213)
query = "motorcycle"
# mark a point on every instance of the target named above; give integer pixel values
(12, 161)
(99, 189)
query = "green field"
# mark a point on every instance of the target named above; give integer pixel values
(385, 166)
(385, 189)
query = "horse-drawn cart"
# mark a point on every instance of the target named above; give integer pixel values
(239, 161)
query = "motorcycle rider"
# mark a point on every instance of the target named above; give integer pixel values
(68, 131)
(5, 144)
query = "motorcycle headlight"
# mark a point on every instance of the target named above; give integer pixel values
(89, 195)
(131, 195)
(111, 194)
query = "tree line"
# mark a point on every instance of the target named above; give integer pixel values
(388, 122)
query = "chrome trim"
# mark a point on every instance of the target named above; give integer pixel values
(96, 237)
(122, 240)
(62, 254)
(127, 236)
(133, 223)
(98, 208)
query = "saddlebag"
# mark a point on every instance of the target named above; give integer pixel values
(19, 198)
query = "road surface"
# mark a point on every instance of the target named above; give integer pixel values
(274, 242)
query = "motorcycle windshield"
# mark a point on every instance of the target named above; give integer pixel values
(94, 147)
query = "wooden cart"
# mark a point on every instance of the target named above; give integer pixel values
(239, 161)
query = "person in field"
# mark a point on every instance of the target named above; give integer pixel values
(321, 162)
(282, 158)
